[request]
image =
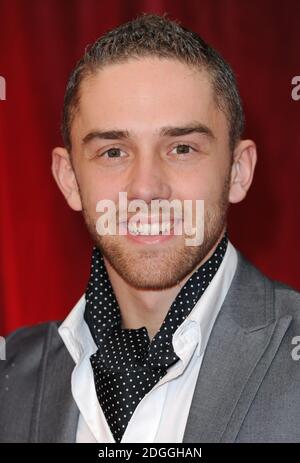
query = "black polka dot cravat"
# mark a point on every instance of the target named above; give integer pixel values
(126, 364)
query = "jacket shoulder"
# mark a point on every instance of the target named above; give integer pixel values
(286, 299)
(29, 338)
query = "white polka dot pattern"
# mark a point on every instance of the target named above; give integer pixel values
(127, 365)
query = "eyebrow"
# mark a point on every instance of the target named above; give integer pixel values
(168, 131)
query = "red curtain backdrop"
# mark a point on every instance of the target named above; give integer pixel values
(44, 247)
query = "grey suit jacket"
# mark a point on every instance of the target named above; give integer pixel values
(248, 388)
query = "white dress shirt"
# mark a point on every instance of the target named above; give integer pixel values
(162, 414)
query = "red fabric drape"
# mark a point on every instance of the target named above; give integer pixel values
(44, 247)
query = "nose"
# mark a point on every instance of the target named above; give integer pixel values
(148, 181)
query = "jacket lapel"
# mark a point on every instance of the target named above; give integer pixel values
(243, 342)
(55, 413)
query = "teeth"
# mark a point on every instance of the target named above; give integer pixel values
(149, 229)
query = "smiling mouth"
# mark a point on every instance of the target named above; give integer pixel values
(157, 228)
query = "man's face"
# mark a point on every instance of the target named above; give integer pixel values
(141, 97)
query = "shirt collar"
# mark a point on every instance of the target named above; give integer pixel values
(76, 335)
(205, 312)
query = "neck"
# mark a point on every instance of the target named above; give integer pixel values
(147, 308)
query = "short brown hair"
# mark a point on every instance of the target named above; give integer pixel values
(154, 35)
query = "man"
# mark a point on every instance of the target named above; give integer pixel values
(171, 342)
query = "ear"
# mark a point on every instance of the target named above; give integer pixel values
(242, 170)
(64, 176)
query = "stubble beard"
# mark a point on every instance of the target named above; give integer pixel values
(168, 264)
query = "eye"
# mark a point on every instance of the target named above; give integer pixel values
(112, 153)
(183, 149)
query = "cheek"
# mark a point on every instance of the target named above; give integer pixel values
(209, 186)
(94, 189)
(201, 184)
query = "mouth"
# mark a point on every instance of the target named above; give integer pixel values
(157, 228)
(149, 233)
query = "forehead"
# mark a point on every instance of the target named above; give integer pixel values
(142, 93)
